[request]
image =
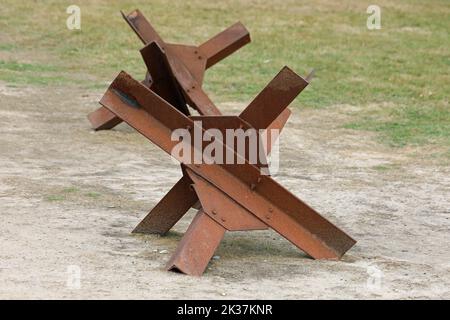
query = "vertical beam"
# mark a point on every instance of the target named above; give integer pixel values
(197, 246)
(163, 80)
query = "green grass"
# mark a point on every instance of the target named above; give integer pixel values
(53, 198)
(408, 125)
(26, 67)
(71, 193)
(94, 195)
(71, 190)
(406, 64)
(31, 73)
(382, 167)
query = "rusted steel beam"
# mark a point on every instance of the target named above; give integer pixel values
(170, 209)
(261, 195)
(223, 123)
(142, 27)
(273, 99)
(191, 57)
(225, 43)
(191, 89)
(223, 209)
(197, 246)
(103, 119)
(275, 128)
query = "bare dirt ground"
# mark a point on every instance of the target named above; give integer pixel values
(69, 196)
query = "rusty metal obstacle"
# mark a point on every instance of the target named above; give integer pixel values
(228, 197)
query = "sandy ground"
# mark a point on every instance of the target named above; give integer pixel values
(69, 196)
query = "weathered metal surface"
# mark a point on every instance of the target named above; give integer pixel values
(170, 209)
(191, 57)
(103, 119)
(142, 27)
(223, 209)
(197, 246)
(273, 99)
(275, 128)
(221, 123)
(262, 197)
(164, 82)
(224, 44)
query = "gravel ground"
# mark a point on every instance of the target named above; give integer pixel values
(69, 198)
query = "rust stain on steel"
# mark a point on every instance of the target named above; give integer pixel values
(239, 186)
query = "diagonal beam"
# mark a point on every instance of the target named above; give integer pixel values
(278, 124)
(223, 123)
(274, 99)
(142, 27)
(170, 209)
(103, 119)
(197, 246)
(225, 43)
(180, 193)
(261, 195)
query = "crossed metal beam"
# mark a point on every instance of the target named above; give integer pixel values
(232, 197)
(187, 64)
